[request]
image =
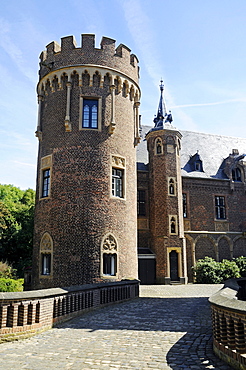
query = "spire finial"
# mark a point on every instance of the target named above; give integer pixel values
(161, 85)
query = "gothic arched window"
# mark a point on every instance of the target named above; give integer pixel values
(46, 250)
(158, 146)
(109, 256)
(171, 186)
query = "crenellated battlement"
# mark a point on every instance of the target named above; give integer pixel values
(68, 54)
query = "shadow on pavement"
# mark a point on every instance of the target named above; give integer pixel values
(190, 317)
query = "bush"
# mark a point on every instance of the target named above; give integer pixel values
(7, 271)
(241, 263)
(207, 271)
(228, 270)
(11, 285)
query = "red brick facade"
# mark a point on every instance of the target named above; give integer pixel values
(210, 219)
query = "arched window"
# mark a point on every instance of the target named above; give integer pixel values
(46, 250)
(173, 226)
(109, 256)
(90, 113)
(237, 174)
(171, 186)
(158, 146)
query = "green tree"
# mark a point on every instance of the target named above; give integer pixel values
(16, 226)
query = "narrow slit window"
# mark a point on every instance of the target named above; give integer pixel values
(46, 183)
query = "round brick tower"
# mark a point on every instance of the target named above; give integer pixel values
(88, 127)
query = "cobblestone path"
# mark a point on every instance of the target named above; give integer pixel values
(168, 327)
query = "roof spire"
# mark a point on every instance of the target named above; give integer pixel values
(162, 115)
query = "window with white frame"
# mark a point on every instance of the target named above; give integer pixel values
(117, 182)
(220, 208)
(118, 176)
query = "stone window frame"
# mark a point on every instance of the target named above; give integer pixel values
(172, 184)
(158, 144)
(173, 219)
(45, 164)
(99, 112)
(109, 246)
(218, 208)
(46, 248)
(118, 163)
(179, 252)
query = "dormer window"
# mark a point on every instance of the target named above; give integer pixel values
(197, 166)
(194, 163)
(236, 175)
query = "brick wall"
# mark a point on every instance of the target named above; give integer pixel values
(27, 313)
(80, 210)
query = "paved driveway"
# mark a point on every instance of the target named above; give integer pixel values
(168, 327)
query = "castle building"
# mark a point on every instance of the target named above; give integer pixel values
(191, 199)
(88, 127)
(186, 200)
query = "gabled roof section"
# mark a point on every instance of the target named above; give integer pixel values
(194, 163)
(213, 150)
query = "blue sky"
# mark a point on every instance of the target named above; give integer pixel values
(197, 47)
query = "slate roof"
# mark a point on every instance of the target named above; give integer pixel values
(212, 149)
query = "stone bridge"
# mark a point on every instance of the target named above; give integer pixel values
(167, 327)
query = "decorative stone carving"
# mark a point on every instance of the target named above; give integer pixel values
(46, 243)
(109, 243)
(46, 161)
(118, 161)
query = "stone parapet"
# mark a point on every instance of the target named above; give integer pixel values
(23, 314)
(229, 323)
(58, 56)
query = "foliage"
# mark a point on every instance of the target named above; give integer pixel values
(228, 270)
(16, 226)
(7, 271)
(11, 285)
(207, 271)
(241, 263)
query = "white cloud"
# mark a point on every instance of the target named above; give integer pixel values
(14, 52)
(209, 104)
(25, 164)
